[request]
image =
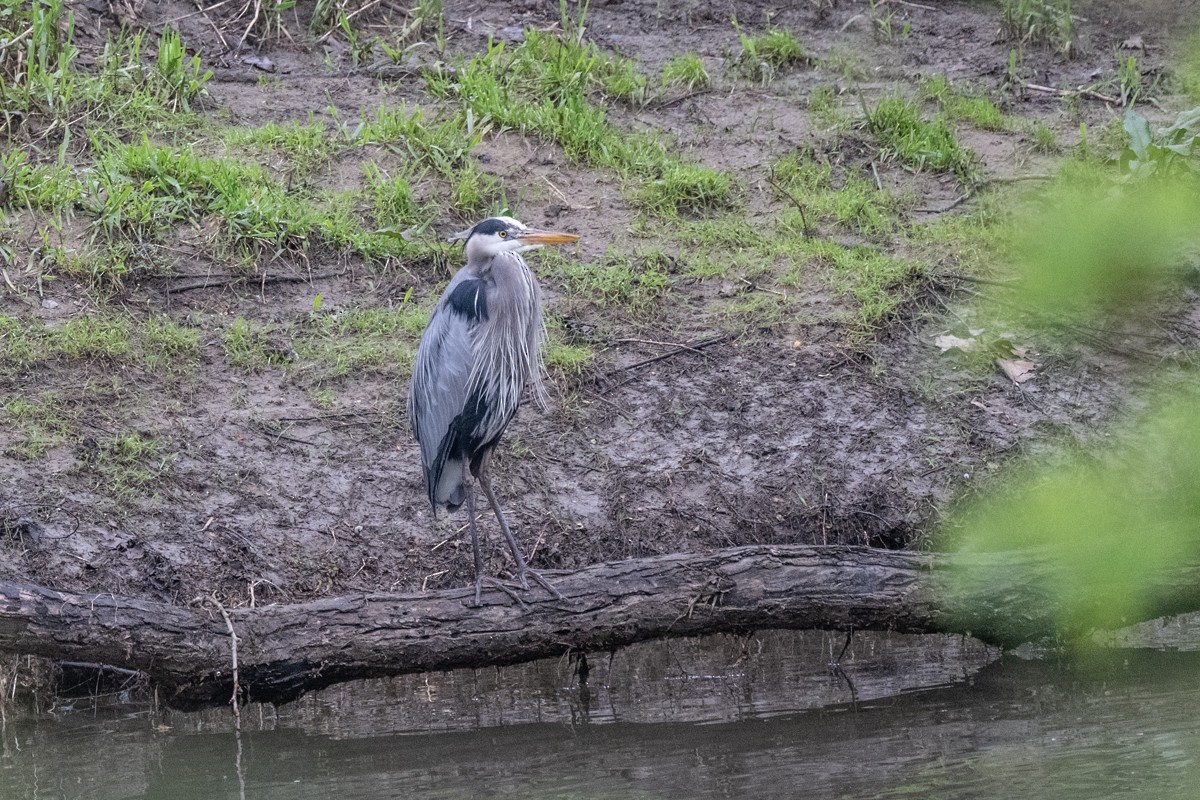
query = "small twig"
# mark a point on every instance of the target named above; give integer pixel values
(690, 347)
(324, 417)
(659, 344)
(450, 538)
(910, 5)
(101, 667)
(264, 429)
(425, 581)
(233, 640)
(754, 287)
(1020, 178)
(958, 202)
(563, 197)
(16, 39)
(688, 96)
(349, 17)
(250, 27)
(199, 10)
(228, 280)
(973, 279)
(1092, 93)
(799, 206)
(875, 172)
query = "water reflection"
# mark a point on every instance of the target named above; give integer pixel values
(928, 717)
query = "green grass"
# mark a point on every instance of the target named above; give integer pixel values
(442, 145)
(394, 203)
(879, 283)
(359, 340)
(168, 346)
(847, 63)
(21, 346)
(688, 189)
(135, 82)
(618, 280)
(961, 106)
(248, 347)
(1045, 140)
(92, 337)
(1187, 66)
(906, 136)
(764, 56)
(305, 147)
(127, 466)
(157, 344)
(545, 86)
(826, 109)
(853, 203)
(686, 71)
(976, 242)
(1045, 23)
(561, 354)
(752, 312)
(38, 422)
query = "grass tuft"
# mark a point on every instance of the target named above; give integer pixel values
(686, 71)
(38, 423)
(688, 189)
(618, 280)
(905, 135)
(764, 56)
(545, 86)
(957, 105)
(1044, 23)
(248, 346)
(857, 204)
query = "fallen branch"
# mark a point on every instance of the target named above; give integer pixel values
(287, 650)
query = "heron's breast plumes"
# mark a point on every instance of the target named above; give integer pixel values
(507, 345)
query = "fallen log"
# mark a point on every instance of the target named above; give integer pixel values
(284, 651)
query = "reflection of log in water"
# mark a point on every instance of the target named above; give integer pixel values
(288, 650)
(1096, 728)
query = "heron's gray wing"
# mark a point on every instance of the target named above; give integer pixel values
(437, 396)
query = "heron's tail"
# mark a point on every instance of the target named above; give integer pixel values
(444, 480)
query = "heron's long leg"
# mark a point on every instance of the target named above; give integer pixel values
(475, 542)
(485, 480)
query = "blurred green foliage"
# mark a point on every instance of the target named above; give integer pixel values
(1106, 239)
(1094, 245)
(1107, 526)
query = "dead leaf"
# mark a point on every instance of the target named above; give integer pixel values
(259, 62)
(1017, 371)
(1134, 43)
(948, 342)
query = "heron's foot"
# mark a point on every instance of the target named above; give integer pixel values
(495, 583)
(538, 577)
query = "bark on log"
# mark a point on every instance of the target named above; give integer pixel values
(287, 650)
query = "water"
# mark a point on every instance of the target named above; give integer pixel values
(764, 717)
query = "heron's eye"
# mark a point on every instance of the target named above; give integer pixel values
(503, 234)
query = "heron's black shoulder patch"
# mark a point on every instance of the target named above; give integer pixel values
(469, 299)
(490, 225)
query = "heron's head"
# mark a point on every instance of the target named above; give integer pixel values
(497, 235)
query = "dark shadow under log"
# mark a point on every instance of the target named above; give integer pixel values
(286, 650)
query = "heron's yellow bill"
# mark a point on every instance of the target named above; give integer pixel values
(547, 237)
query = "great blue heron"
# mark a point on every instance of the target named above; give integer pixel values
(477, 355)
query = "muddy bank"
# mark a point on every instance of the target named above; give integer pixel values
(291, 481)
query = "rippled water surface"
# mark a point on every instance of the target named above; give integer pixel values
(763, 717)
